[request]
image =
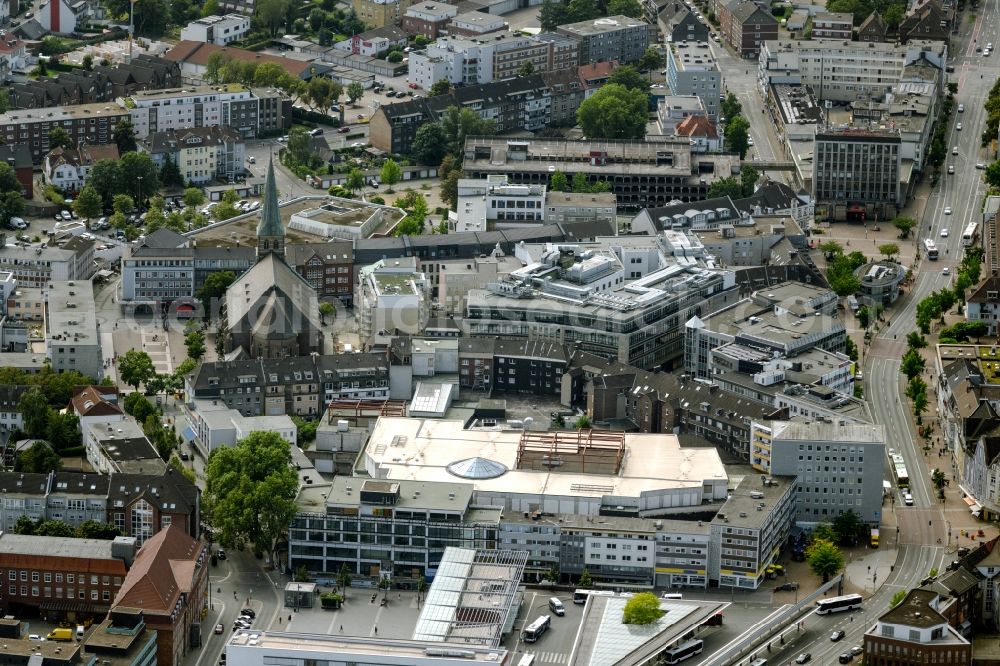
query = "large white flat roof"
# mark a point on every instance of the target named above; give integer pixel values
(421, 450)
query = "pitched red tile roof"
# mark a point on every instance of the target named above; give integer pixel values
(597, 70)
(164, 568)
(198, 53)
(696, 125)
(88, 402)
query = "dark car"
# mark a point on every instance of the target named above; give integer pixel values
(344, 130)
(846, 658)
(249, 612)
(837, 635)
(222, 554)
(787, 587)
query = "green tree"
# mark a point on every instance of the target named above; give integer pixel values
(4, 100)
(938, 479)
(912, 364)
(326, 309)
(552, 14)
(915, 340)
(151, 17)
(39, 458)
(831, 249)
(738, 135)
(195, 344)
(730, 107)
(193, 197)
(394, 57)
(8, 179)
(864, 317)
(60, 138)
(897, 598)
(88, 62)
(123, 204)
(651, 59)
(440, 87)
(250, 491)
(88, 204)
(905, 225)
(559, 182)
(627, 77)
(170, 173)
(888, 249)
(824, 559)
(848, 527)
(215, 287)
(93, 529)
(124, 137)
(24, 525)
(527, 68)
(552, 575)
(614, 112)
(34, 409)
(642, 608)
(105, 178)
(270, 14)
(459, 123)
(824, 532)
(322, 91)
(726, 187)
(297, 149)
(355, 181)
(748, 179)
(580, 183)
(135, 368)
(139, 406)
(430, 144)
(53, 528)
(355, 91)
(585, 579)
(391, 173)
(344, 579)
(11, 205)
(140, 175)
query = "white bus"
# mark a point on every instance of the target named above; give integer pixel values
(580, 596)
(672, 595)
(837, 604)
(969, 235)
(681, 652)
(536, 629)
(527, 660)
(931, 249)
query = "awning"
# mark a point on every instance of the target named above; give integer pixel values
(185, 307)
(969, 501)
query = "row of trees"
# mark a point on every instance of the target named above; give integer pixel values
(554, 13)
(89, 529)
(912, 365)
(734, 187)
(43, 421)
(737, 131)
(560, 183)
(992, 107)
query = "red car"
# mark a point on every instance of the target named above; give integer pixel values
(414, 86)
(344, 130)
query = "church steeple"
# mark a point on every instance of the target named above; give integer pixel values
(270, 232)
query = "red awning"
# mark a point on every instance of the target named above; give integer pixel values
(185, 307)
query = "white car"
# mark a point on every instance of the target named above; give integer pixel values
(947, 210)
(958, 127)
(946, 271)
(954, 151)
(961, 108)
(208, 209)
(254, 205)
(749, 140)
(908, 499)
(944, 233)
(66, 215)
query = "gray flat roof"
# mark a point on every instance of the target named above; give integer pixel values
(43, 546)
(830, 432)
(740, 510)
(71, 311)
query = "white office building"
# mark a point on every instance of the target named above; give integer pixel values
(220, 30)
(72, 332)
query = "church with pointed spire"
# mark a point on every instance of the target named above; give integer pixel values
(271, 311)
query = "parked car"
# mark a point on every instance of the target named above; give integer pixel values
(856, 650)
(845, 658)
(413, 86)
(219, 628)
(221, 554)
(961, 108)
(254, 205)
(951, 168)
(249, 612)
(66, 215)
(344, 130)
(787, 587)
(907, 497)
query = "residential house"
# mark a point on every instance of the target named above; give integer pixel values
(833, 25)
(93, 404)
(14, 56)
(18, 157)
(379, 13)
(219, 30)
(372, 42)
(926, 21)
(746, 26)
(428, 18)
(69, 168)
(169, 581)
(680, 24)
(914, 632)
(984, 304)
(10, 412)
(594, 75)
(700, 132)
(202, 154)
(611, 38)
(61, 17)
(873, 29)
(91, 124)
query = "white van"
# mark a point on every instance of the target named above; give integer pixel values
(79, 632)
(557, 607)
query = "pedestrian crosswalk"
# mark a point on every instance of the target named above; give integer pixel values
(545, 657)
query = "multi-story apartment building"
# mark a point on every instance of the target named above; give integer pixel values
(215, 29)
(166, 266)
(72, 331)
(392, 296)
(680, 24)
(846, 71)
(692, 70)
(745, 25)
(750, 529)
(379, 13)
(561, 207)
(837, 468)
(512, 366)
(611, 38)
(516, 104)
(62, 575)
(856, 174)
(139, 505)
(203, 154)
(914, 632)
(984, 304)
(428, 18)
(833, 25)
(328, 267)
(36, 267)
(248, 112)
(587, 299)
(92, 124)
(469, 61)
(302, 386)
(641, 174)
